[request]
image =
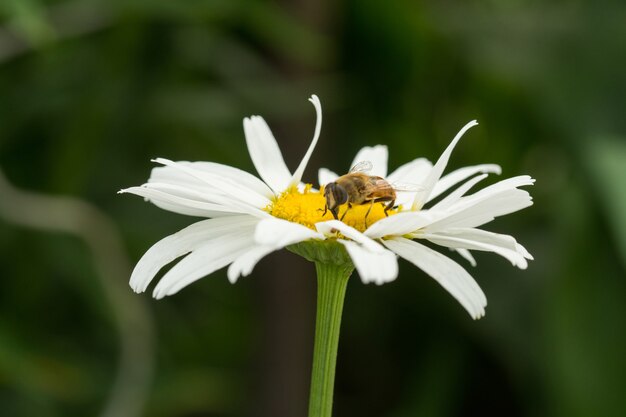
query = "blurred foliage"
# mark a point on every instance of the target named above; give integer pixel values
(92, 89)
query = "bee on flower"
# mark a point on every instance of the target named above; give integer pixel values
(362, 214)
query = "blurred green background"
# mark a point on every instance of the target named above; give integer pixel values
(90, 90)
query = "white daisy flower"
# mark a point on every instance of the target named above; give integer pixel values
(248, 217)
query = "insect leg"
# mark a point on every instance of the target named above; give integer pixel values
(368, 212)
(346, 212)
(389, 206)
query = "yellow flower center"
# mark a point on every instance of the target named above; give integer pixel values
(307, 208)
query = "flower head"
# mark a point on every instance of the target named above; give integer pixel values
(248, 217)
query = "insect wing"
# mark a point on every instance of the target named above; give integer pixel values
(377, 187)
(363, 166)
(404, 187)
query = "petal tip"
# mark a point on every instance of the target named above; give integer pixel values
(297, 175)
(162, 161)
(160, 291)
(314, 99)
(232, 278)
(468, 126)
(136, 288)
(480, 313)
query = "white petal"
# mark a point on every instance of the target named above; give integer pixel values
(377, 155)
(206, 259)
(413, 172)
(404, 200)
(185, 197)
(326, 176)
(429, 183)
(486, 210)
(481, 208)
(378, 266)
(279, 233)
(524, 252)
(476, 239)
(445, 271)
(297, 176)
(454, 196)
(270, 235)
(467, 255)
(302, 187)
(461, 174)
(173, 176)
(399, 224)
(373, 262)
(214, 197)
(182, 242)
(265, 154)
(332, 226)
(245, 263)
(181, 205)
(238, 195)
(507, 184)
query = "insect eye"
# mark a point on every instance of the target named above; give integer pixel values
(340, 194)
(328, 189)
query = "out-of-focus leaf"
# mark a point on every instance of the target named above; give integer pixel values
(606, 159)
(90, 90)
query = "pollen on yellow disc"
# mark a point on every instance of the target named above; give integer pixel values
(307, 208)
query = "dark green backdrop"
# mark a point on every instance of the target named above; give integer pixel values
(91, 90)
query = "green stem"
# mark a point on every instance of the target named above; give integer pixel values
(332, 280)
